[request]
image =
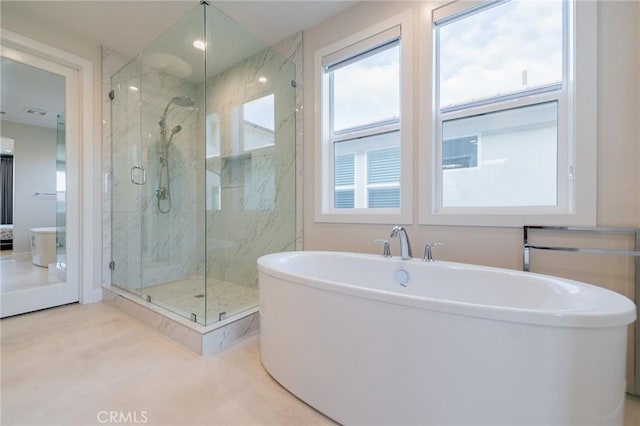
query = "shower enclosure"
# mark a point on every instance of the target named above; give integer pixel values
(203, 167)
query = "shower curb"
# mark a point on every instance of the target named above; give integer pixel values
(203, 340)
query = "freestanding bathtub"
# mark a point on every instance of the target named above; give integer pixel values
(43, 245)
(370, 340)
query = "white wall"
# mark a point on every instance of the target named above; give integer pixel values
(34, 165)
(618, 147)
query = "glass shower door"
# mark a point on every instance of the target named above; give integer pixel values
(172, 215)
(128, 178)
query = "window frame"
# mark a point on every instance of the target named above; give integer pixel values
(577, 132)
(376, 35)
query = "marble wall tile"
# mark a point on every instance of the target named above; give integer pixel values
(223, 337)
(258, 213)
(180, 333)
(203, 341)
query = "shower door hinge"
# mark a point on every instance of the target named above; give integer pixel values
(194, 317)
(112, 265)
(112, 94)
(294, 83)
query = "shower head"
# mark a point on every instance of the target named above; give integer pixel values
(183, 101)
(174, 132)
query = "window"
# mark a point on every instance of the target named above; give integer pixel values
(505, 109)
(364, 126)
(363, 139)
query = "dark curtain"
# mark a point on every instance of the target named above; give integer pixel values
(6, 189)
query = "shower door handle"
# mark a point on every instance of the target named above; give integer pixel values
(142, 175)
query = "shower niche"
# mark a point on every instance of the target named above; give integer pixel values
(203, 167)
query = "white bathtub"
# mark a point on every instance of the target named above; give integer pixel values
(43, 245)
(459, 344)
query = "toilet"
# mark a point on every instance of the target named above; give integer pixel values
(43, 246)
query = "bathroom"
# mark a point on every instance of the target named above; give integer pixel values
(614, 191)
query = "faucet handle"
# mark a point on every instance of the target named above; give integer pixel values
(428, 257)
(386, 249)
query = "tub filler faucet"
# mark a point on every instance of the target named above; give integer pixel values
(405, 245)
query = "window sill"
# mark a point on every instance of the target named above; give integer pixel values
(508, 220)
(365, 216)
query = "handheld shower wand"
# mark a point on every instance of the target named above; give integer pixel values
(163, 192)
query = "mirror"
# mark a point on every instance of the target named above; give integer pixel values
(33, 197)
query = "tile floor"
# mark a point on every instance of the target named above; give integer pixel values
(16, 274)
(68, 365)
(75, 364)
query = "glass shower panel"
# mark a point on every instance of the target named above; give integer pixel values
(250, 162)
(128, 178)
(173, 203)
(61, 193)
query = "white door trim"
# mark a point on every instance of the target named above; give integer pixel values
(85, 214)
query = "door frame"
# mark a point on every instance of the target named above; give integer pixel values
(84, 227)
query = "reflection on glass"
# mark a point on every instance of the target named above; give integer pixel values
(212, 148)
(259, 182)
(213, 136)
(214, 193)
(259, 122)
(492, 164)
(61, 192)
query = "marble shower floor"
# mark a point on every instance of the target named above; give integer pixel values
(16, 274)
(187, 296)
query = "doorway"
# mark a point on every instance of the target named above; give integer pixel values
(43, 268)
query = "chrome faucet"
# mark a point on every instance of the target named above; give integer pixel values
(386, 250)
(405, 246)
(428, 256)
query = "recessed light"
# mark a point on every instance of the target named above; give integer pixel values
(133, 88)
(262, 79)
(199, 44)
(35, 111)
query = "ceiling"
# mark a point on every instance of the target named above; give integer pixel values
(24, 87)
(128, 27)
